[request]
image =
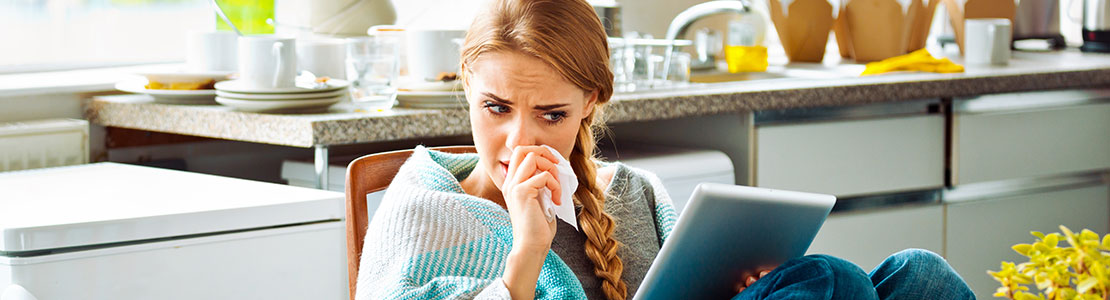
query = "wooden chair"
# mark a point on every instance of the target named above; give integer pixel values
(368, 174)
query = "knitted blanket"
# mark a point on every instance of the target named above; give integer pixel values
(430, 240)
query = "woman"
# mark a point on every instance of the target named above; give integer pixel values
(471, 226)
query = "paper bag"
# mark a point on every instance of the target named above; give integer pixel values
(803, 27)
(872, 30)
(843, 34)
(922, 21)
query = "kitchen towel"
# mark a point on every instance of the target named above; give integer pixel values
(568, 183)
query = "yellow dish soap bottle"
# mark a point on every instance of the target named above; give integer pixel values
(744, 51)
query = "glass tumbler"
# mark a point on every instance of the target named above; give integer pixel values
(373, 67)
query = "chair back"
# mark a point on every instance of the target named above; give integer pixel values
(368, 174)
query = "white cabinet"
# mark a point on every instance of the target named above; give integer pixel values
(868, 237)
(115, 231)
(1025, 135)
(980, 232)
(849, 155)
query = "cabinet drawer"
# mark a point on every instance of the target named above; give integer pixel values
(852, 157)
(980, 233)
(1029, 142)
(867, 237)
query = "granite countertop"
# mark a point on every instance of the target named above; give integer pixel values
(828, 84)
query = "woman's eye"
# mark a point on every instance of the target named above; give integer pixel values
(495, 108)
(555, 116)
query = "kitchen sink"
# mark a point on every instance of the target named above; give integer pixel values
(772, 73)
(718, 76)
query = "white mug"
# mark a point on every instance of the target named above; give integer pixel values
(267, 61)
(322, 57)
(431, 52)
(987, 41)
(208, 51)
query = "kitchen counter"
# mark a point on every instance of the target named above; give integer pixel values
(823, 85)
(803, 85)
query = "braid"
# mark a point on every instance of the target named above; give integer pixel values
(569, 37)
(598, 225)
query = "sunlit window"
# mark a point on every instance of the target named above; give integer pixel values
(42, 35)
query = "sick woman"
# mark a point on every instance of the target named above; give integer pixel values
(472, 226)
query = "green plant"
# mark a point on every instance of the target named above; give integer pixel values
(1081, 271)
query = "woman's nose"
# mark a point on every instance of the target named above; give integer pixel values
(520, 134)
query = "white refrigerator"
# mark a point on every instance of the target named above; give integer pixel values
(115, 231)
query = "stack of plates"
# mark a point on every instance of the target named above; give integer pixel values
(414, 93)
(235, 93)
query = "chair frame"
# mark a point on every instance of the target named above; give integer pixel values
(368, 174)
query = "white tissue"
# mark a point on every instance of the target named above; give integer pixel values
(568, 183)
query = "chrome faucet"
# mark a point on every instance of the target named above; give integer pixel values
(682, 22)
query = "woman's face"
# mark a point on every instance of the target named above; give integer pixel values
(518, 100)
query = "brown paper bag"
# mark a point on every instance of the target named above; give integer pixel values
(879, 28)
(843, 34)
(919, 33)
(977, 9)
(803, 28)
(870, 30)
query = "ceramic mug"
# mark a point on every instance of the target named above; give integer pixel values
(431, 52)
(987, 41)
(208, 51)
(267, 61)
(322, 56)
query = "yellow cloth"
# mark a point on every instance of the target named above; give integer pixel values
(746, 58)
(919, 60)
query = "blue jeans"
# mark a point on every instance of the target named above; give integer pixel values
(909, 274)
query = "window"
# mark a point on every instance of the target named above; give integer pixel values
(44, 35)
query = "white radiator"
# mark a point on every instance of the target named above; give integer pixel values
(43, 143)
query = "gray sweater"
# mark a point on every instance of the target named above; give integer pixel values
(631, 201)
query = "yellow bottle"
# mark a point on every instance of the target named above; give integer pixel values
(746, 58)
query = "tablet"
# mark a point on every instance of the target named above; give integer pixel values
(727, 232)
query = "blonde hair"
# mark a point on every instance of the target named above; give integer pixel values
(568, 36)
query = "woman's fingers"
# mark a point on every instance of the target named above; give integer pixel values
(529, 189)
(521, 151)
(530, 165)
(526, 163)
(750, 280)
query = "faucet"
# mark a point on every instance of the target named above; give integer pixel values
(682, 22)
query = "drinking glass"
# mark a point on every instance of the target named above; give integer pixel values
(373, 66)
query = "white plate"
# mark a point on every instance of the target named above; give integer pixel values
(431, 97)
(279, 106)
(170, 77)
(271, 97)
(237, 86)
(168, 96)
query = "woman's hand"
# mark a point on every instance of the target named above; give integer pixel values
(531, 169)
(750, 281)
